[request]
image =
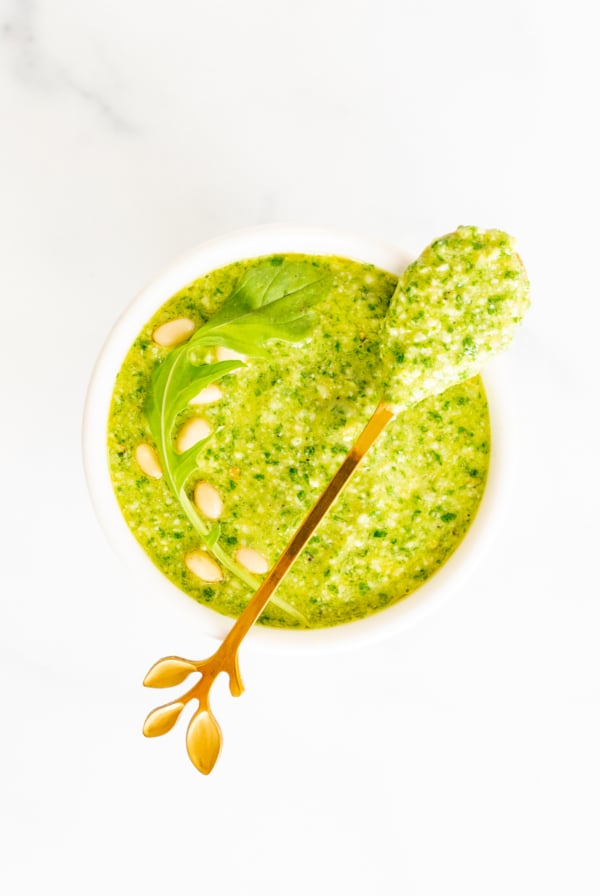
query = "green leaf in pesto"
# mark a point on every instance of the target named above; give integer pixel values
(271, 301)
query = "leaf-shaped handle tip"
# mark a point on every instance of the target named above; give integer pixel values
(168, 672)
(162, 719)
(204, 740)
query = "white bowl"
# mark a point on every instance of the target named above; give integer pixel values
(195, 616)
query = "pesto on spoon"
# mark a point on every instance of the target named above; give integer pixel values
(454, 307)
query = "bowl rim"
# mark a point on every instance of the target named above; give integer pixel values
(200, 619)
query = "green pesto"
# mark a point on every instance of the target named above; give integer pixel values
(476, 291)
(281, 430)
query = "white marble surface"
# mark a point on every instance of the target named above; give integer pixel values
(459, 758)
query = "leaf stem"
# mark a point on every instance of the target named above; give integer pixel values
(233, 567)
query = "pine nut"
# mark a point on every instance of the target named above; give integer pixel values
(147, 461)
(252, 560)
(174, 332)
(203, 567)
(208, 500)
(193, 431)
(208, 395)
(227, 354)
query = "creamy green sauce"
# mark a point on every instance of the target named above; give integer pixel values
(280, 431)
(477, 293)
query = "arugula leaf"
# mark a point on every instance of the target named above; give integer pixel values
(273, 300)
(270, 302)
(175, 381)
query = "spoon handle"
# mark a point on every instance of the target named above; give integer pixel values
(381, 417)
(204, 736)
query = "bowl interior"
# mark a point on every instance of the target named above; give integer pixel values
(207, 257)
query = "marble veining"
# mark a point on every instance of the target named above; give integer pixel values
(35, 67)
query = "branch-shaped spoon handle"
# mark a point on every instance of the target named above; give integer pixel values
(204, 734)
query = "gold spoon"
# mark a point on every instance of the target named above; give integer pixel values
(486, 254)
(204, 734)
